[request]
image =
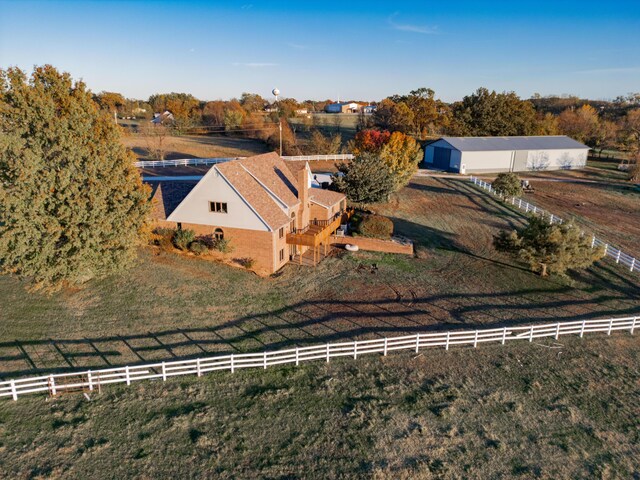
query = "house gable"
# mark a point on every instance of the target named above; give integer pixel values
(214, 187)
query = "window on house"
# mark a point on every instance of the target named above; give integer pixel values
(218, 207)
(218, 234)
(281, 232)
(282, 255)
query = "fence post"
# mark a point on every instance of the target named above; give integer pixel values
(475, 340)
(385, 345)
(504, 335)
(126, 374)
(327, 353)
(446, 347)
(52, 383)
(264, 360)
(520, 203)
(232, 365)
(633, 264)
(633, 325)
(90, 378)
(531, 334)
(557, 330)
(297, 357)
(618, 256)
(198, 370)
(417, 342)
(526, 209)
(582, 329)
(610, 326)
(164, 372)
(606, 248)
(355, 349)
(593, 241)
(14, 391)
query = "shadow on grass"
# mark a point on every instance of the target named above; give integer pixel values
(414, 306)
(321, 321)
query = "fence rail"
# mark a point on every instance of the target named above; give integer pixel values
(93, 379)
(311, 158)
(610, 251)
(184, 162)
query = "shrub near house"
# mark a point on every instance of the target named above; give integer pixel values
(371, 225)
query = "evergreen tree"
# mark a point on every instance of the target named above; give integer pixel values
(72, 204)
(366, 179)
(508, 185)
(549, 248)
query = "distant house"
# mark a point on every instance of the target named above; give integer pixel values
(369, 109)
(263, 205)
(505, 154)
(162, 118)
(351, 107)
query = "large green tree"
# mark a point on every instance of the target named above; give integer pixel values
(72, 204)
(549, 248)
(486, 113)
(365, 179)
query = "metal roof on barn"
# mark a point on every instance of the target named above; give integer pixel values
(489, 144)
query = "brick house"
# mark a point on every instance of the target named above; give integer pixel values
(263, 205)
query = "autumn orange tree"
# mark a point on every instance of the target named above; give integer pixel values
(400, 153)
(72, 203)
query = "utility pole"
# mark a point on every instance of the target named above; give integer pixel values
(276, 92)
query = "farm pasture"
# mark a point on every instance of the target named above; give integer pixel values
(174, 306)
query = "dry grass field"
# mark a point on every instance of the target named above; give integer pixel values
(515, 411)
(599, 199)
(196, 146)
(173, 306)
(520, 411)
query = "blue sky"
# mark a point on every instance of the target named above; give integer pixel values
(351, 49)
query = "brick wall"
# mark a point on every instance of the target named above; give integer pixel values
(374, 244)
(245, 243)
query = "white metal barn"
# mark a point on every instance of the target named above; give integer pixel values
(505, 154)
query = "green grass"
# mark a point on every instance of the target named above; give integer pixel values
(515, 411)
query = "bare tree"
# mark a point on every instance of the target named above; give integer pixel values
(155, 136)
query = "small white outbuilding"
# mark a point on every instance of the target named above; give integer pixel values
(505, 154)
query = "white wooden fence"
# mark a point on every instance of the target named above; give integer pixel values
(184, 162)
(94, 379)
(312, 158)
(212, 161)
(610, 251)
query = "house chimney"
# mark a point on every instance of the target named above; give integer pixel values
(303, 195)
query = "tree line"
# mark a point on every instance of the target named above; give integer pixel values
(599, 124)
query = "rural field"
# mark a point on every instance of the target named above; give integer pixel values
(173, 306)
(196, 146)
(598, 198)
(521, 411)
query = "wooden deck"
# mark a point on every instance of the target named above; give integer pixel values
(317, 238)
(307, 258)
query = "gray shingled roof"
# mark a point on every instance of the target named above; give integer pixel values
(168, 195)
(479, 144)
